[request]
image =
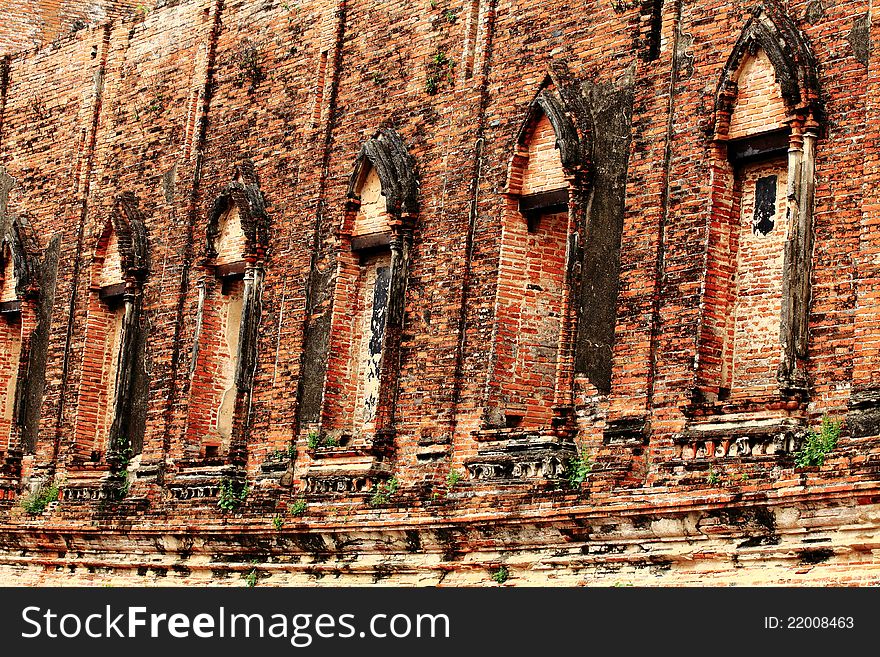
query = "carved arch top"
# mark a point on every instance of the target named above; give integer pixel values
(571, 150)
(386, 152)
(244, 193)
(127, 221)
(20, 242)
(770, 29)
(561, 100)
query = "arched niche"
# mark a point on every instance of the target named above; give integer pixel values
(754, 328)
(111, 407)
(533, 366)
(359, 393)
(230, 283)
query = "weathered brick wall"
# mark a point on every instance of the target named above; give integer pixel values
(29, 23)
(232, 243)
(371, 216)
(165, 105)
(213, 384)
(8, 279)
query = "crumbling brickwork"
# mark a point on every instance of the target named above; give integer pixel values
(28, 24)
(349, 288)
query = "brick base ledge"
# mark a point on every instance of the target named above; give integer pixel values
(788, 541)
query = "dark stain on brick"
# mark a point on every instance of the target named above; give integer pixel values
(413, 541)
(815, 556)
(814, 12)
(610, 108)
(859, 38)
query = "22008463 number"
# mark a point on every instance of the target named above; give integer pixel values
(809, 622)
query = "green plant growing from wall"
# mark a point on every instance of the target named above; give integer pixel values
(247, 63)
(278, 523)
(313, 439)
(439, 59)
(123, 484)
(298, 508)
(450, 16)
(252, 576)
(36, 502)
(578, 469)
(713, 478)
(453, 478)
(119, 480)
(329, 441)
(501, 575)
(382, 493)
(818, 444)
(440, 67)
(157, 103)
(232, 494)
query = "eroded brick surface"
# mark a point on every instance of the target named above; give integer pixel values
(358, 140)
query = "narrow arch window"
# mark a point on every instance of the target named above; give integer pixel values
(350, 431)
(532, 282)
(361, 301)
(112, 380)
(101, 353)
(24, 299)
(531, 378)
(230, 289)
(753, 333)
(527, 426)
(221, 292)
(10, 346)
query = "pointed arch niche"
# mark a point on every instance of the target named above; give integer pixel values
(352, 445)
(529, 404)
(110, 414)
(752, 340)
(230, 291)
(533, 365)
(18, 318)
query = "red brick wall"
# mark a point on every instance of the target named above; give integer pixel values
(298, 91)
(349, 378)
(103, 334)
(530, 307)
(759, 106)
(231, 243)
(10, 350)
(8, 280)
(29, 23)
(543, 171)
(371, 217)
(210, 421)
(97, 390)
